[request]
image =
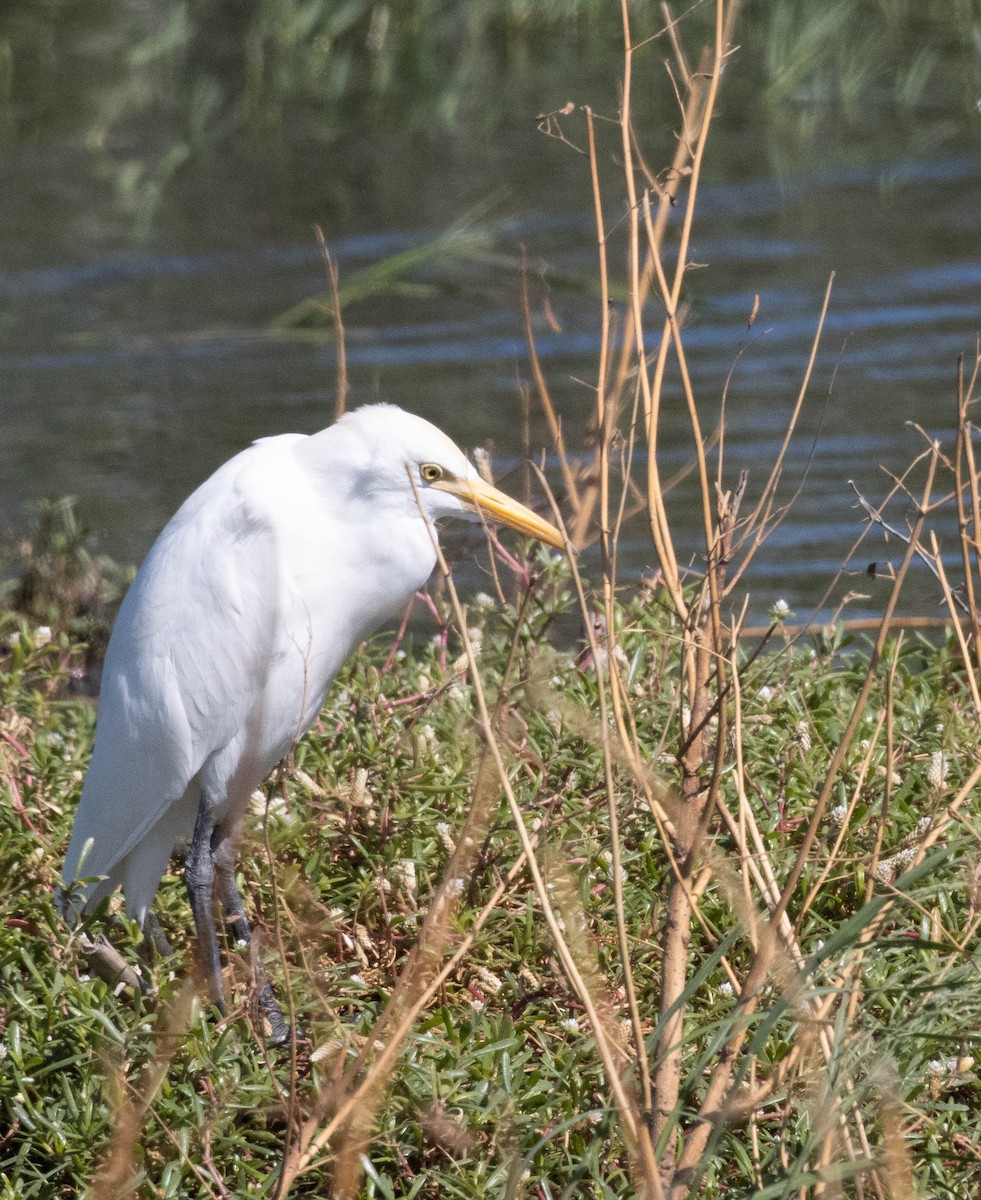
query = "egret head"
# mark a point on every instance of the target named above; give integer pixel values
(410, 459)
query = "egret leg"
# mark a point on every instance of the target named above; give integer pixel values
(199, 878)
(223, 857)
(154, 938)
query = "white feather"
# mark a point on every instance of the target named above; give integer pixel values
(259, 588)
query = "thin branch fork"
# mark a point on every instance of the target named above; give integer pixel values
(875, 517)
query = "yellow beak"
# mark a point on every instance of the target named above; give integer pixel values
(481, 498)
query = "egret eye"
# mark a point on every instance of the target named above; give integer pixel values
(431, 472)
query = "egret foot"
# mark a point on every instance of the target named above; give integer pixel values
(104, 960)
(270, 1017)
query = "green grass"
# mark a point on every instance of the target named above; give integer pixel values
(499, 1079)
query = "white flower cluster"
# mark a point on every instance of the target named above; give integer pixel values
(937, 773)
(838, 814)
(888, 869)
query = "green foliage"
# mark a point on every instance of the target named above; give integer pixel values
(843, 54)
(499, 1079)
(55, 582)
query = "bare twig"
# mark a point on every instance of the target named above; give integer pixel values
(333, 282)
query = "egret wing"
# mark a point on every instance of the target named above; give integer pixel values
(187, 653)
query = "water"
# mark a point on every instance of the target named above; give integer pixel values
(131, 365)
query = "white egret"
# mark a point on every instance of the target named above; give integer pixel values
(259, 588)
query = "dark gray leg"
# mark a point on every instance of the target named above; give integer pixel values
(199, 876)
(223, 857)
(223, 841)
(153, 932)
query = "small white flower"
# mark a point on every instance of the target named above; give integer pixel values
(529, 979)
(607, 857)
(765, 693)
(405, 876)
(278, 808)
(490, 981)
(42, 635)
(426, 743)
(360, 796)
(780, 611)
(887, 869)
(937, 774)
(326, 1048)
(838, 815)
(482, 600)
(725, 987)
(571, 1024)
